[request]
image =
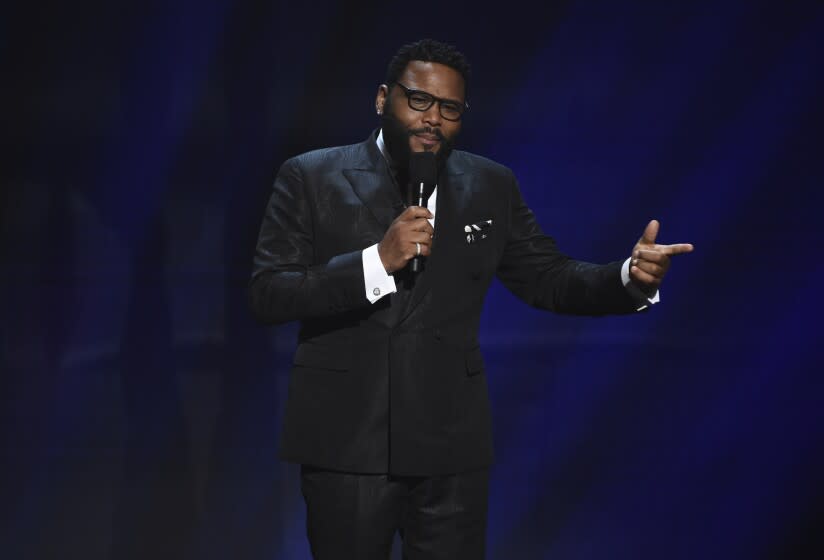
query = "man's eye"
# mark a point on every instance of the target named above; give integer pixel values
(419, 99)
(452, 108)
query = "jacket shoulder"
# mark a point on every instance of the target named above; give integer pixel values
(486, 168)
(322, 159)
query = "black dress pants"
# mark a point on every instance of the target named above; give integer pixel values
(355, 516)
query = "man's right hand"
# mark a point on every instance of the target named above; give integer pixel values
(399, 243)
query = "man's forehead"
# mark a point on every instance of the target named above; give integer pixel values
(435, 78)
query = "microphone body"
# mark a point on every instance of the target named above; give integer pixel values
(423, 176)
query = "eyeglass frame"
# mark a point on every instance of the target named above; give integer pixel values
(409, 92)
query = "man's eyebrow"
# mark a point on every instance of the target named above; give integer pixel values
(450, 99)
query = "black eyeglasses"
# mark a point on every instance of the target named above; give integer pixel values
(422, 101)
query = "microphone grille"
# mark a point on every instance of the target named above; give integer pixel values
(423, 168)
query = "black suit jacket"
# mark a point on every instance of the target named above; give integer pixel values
(399, 386)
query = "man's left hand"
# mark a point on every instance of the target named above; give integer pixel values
(650, 261)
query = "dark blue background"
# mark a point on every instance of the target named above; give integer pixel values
(141, 404)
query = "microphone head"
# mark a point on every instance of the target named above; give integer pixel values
(423, 168)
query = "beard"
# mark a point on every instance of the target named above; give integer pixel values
(396, 138)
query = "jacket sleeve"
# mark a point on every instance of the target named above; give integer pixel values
(287, 283)
(535, 270)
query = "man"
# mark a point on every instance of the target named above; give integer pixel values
(388, 411)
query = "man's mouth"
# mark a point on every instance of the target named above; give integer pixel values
(428, 140)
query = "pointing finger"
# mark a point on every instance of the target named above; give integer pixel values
(676, 249)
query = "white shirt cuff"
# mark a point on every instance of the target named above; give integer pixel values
(375, 279)
(635, 291)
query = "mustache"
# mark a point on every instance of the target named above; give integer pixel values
(426, 130)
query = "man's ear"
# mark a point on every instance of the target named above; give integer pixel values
(380, 98)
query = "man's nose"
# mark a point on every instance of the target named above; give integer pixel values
(432, 116)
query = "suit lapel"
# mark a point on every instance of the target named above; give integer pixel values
(369, 178)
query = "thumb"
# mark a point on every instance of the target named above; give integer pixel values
(650, 232)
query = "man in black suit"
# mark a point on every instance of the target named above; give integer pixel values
(388, 411)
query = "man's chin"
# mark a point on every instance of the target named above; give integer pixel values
(417, 144)
(442, 149)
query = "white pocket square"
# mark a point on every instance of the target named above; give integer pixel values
(477, 232)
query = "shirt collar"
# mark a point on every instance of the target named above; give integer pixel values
(382, 147)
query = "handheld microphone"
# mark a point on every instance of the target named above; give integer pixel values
(423, 176)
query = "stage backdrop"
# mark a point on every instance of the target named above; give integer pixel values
(141, 404)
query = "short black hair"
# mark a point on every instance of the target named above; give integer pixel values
(428, 50)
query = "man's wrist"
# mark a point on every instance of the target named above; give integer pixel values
(642, 299)
(386, 267)
(377, 283)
